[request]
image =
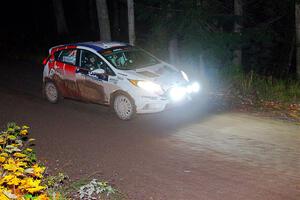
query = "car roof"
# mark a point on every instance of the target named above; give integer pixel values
(95, 45)
(100, 45)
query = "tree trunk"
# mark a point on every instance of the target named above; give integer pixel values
(116, 19)
(238, 12)
(173, 51)
(131, 31)
(297, 20)
(60, 17)
(92, 16)
(103, 20)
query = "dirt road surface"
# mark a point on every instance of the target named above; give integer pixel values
(188, 153)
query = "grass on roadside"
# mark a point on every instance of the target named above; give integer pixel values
(260, 87)
(259, 92)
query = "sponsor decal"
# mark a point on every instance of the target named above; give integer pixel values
(120, 78)
(52, 72)
(93, 76)
(113, 80)
(122, 74)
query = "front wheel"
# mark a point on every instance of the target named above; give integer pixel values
(124, 106)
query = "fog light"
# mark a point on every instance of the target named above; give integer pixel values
(195, 87)
(189, 89)
(177, 93)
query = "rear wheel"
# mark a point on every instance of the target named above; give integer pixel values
(51, 92)
(124, 106)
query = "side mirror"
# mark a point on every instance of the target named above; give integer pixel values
(98, 71)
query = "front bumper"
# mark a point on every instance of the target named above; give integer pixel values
(149, 103)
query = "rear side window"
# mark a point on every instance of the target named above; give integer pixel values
(66, 56)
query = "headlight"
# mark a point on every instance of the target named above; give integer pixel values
(178, 93)
(184, 75)
(193, 88)
(148, 85)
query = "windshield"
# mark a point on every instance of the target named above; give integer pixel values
(129, 59)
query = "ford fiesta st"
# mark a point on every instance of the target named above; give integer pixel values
(127, 78)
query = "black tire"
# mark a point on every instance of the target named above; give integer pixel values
(123, 105)
(51, 92)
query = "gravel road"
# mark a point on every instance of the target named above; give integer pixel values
(187, 153)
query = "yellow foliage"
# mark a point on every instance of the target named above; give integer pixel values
(15, 145)
(4, 154)
(20, 175)
(11, 179)
(2, 159)
(3, 196)
(2, 140)
(25, 127)
(43, 197)
(24, 132)
(11, 137)
(22, 164)
(38, 171)
(12, 167)
(31, 185)
(19, 155)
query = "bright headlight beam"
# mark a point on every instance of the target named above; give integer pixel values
(195, 87)
(178, 93)
(149, 86)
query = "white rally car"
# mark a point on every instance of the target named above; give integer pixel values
(127, 78)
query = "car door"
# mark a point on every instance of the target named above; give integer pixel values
(93, 87)
(65, 68)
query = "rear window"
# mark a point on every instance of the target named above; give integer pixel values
(66, 56)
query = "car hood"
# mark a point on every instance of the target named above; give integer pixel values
(164, 74)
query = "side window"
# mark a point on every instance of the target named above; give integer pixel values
(66, 56)
(56, 55)
(91, 61)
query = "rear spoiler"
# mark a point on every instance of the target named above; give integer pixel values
(55, 48)
(61, 47)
